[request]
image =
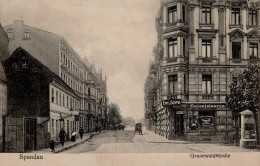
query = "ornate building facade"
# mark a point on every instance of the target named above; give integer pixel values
(202, 46)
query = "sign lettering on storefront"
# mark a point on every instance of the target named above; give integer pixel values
(171, 102)
(207, 105)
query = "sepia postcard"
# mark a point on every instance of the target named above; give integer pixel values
(129, 82)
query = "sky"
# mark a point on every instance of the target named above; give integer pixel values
(117, 35)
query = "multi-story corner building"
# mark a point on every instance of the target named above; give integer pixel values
(202, 46)
(56, 53)
(3, 86)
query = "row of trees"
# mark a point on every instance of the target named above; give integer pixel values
(114, 114)
(245, 94)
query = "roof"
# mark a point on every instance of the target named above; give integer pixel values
(46, 70)
(2, 73)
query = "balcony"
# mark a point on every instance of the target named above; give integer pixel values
(172, 60)
(207, 60)
(236, 60)
(207, 97)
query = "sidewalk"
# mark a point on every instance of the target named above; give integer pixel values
(68, 144)
(150, 136)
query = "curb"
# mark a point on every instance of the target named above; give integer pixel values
(183, 142)
(76, 144)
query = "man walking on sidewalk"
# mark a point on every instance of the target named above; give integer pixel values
(62, 136)
(81, 132)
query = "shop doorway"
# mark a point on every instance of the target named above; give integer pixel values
(179, 125)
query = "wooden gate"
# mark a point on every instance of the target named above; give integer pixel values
(14, 136)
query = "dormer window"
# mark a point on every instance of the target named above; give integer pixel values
(26, 34)
(10, 33)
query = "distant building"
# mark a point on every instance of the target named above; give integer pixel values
(3, 87)
(202, 46)
(55, 52)
(39, 104)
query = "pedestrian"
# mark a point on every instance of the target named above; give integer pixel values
(81, 132)
(52, 146)
(99, 129)
(62, 136)
(96, 129)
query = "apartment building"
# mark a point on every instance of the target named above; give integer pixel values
(202, 46)
(53, 51)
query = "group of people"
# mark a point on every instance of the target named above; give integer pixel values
(62, 136)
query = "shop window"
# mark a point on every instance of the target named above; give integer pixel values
(252, 17)
(253, 50)
(236, 50)
(172, 14)
(206, 15)
(207, 119)
(235, 16)
(172, 48)
(207, 84)
(206, 48)
(172, 83)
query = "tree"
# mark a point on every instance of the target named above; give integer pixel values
(129, 121)
(245, 93)
(114, 114)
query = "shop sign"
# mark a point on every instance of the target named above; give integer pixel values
(207, 105)
(171, 102)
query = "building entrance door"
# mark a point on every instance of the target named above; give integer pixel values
(30, 134)
(179, 125)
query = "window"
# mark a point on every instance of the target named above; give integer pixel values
(253, 50)
(207, 84)
(252, 17)
(26, 34)
(63, 100)
(57, 97)
(172, 79)
(67, 101)
(89, 106)
(235, 16)
(206, 15)
(52, 95)
(172, 14)
(25, 65)
(184, 47)
(183, 13)
(10, 33)
(172, 48)
(236, 50)
(206, 48)
(184, 83)
(88, 91)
